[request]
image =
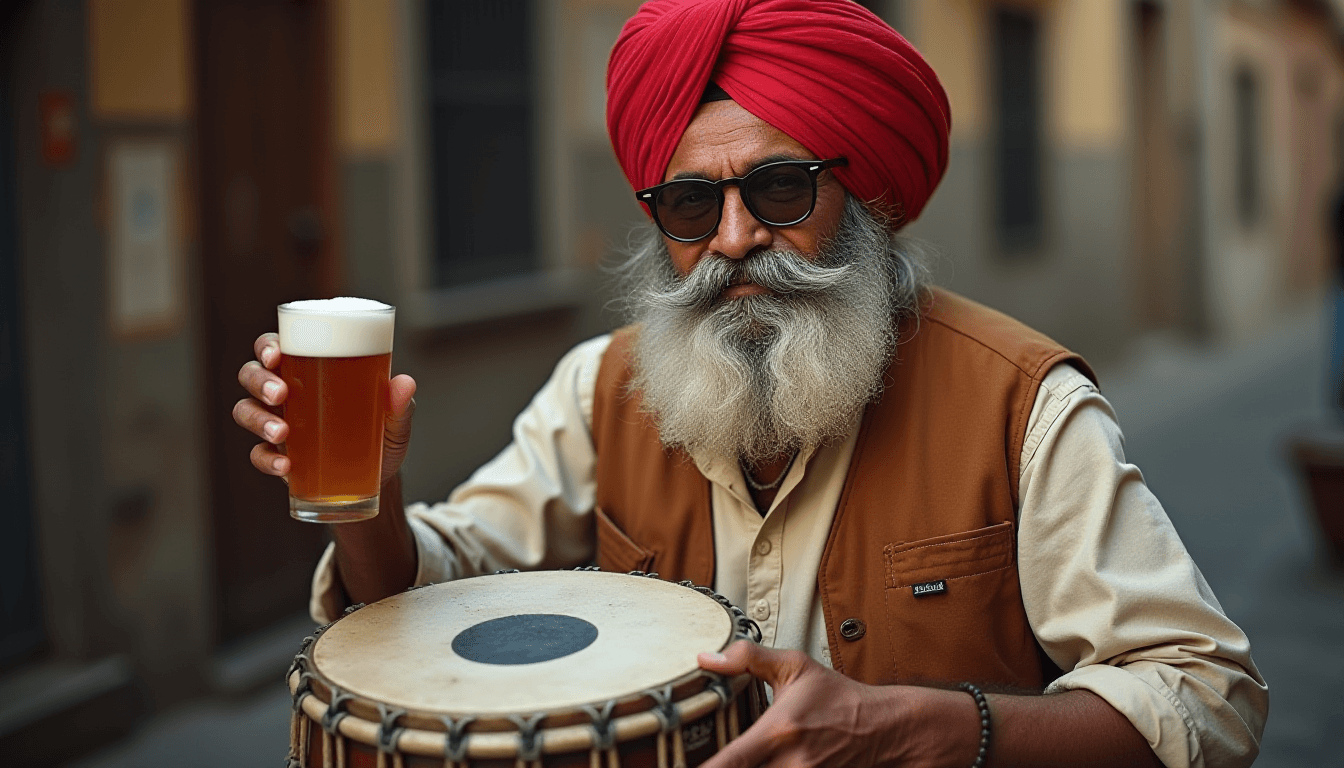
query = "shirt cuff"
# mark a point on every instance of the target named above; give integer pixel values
(1149, 705)
(435, 560)
(1140, 693)
(327, 600)
(434, 563)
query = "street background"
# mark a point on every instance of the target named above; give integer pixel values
(1208, 427)
(1154, 183)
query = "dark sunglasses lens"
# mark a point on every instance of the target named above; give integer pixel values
(782, 195)
(688, 209)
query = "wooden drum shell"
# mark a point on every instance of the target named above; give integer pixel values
(352, 746)
(676, 724)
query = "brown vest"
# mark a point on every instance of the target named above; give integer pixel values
(931, 495)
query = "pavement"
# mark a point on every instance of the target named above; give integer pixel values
(1207, 426)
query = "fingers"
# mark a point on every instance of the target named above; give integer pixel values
(398, 431)
(397, 434)
(260, 421)
(258, 414)
(753, 748)
(267, 350)
(402, 388)
(733, 661)
(774, 738)
(262, 384)
(778, 668)
(266, 458)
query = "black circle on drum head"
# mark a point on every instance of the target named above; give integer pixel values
(526, 638)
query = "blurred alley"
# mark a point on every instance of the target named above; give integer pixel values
(1157, 184)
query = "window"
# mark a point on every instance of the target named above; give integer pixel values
(480, 116)
(1246, 106)
(890, 11)
(1017, 96)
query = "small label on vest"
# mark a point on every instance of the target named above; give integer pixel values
(930, 588)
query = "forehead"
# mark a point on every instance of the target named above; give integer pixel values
(723, 139)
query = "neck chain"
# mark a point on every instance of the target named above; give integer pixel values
(770, 486)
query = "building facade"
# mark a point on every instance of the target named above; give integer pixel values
(171, 170)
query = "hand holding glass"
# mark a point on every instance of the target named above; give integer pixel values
(336, 362)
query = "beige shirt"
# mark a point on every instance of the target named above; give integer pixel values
(1109, 589)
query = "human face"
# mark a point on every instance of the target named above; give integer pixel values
(725, 140)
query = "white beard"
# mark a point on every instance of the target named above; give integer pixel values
(762, 376)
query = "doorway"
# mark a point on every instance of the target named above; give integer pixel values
(21, 630)
(266, 180)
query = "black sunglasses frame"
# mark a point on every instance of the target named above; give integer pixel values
(649, 197)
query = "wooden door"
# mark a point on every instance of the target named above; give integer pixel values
(1160, 189)
(266, 198)
(21, 631)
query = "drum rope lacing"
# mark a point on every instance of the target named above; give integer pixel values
(457, 740)
(387, 730)
(336, 710)
(604, 737)
(332, 741)
(298, 729)
(529, 741)
(666, 712)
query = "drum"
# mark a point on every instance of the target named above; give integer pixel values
(550, 668)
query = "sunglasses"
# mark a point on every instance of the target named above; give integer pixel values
(779, 194)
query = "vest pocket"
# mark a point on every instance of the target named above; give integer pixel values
(616, 551)
(954, 610)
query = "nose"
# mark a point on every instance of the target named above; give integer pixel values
(739, 233)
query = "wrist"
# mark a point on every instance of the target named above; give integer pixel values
(941, 728)
(982, 713)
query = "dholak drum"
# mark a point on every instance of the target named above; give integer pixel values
(552, 668)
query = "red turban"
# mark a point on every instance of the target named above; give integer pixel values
(828, 73)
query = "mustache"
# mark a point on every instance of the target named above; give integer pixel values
(781, 272)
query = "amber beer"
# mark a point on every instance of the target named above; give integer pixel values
(336, 360)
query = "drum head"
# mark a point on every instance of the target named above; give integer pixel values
(522, 642)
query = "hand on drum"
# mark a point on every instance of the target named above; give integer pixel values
(260, 413)
(822, 718)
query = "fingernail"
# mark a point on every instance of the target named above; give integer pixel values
(271, 390)
(278, 465)
(713, 657)
(271, 429)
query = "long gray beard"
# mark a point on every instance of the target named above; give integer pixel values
(762, 376)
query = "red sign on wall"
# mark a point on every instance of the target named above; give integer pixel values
(57, 109)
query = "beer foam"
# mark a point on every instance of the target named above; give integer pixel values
(341, 327)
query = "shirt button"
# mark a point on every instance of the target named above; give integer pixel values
(763, 548)
(760, 611)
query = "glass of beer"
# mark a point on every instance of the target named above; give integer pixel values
(336, 358)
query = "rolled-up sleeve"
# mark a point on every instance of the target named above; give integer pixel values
(529, 507)
(1114, 598)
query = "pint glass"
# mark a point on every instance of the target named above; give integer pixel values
(336, 357)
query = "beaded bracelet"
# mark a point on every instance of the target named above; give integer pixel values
(983, 706)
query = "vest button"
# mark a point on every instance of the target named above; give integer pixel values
(852, 629)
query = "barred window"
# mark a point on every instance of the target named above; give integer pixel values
(480, 114)
(1017, 92)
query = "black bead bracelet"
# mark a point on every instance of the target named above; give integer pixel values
(983, 705)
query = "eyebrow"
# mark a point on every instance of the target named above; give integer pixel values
(776, 158)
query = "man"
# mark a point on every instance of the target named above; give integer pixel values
(896, 484)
